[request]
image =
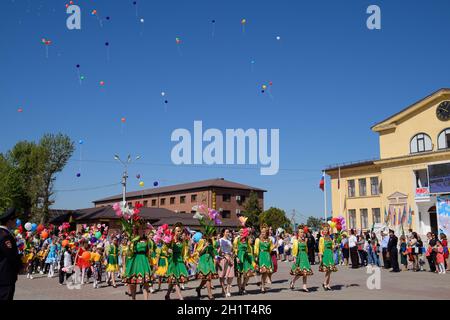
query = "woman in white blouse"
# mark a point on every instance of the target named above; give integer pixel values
(226, 269)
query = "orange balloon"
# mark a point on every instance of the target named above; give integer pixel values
(65, 243)
(44, 235)
(86, 255)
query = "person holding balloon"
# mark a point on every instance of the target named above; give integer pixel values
(327, 265)
(82, 259)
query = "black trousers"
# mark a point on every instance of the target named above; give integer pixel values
(386, 261)
(311, 256)
(394, 259)
(431, 261)
(354, 257)
(7, 292)
(63, 275)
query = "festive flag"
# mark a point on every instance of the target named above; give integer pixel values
(322, 182)
(410, 216)
(386, 215)
(404, 215)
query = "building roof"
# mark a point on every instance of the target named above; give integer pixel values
(388, 122)
(349, 165)
(217, 183)
(156, 216)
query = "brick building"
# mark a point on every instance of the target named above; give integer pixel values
(225, 196)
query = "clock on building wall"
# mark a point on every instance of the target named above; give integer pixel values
(443, 111)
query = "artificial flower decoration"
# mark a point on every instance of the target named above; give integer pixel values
(208, 218)
(243, 220)
(129, 217)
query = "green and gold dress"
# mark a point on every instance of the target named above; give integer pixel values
(163, 262)
(138, 268)
(301, 266)
(177, 271)
(326, 249)
(262, 251)
(243, 252)
(113, 259)
(206, 268)
(152, 253)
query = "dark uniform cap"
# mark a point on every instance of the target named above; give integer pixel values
(8, 215)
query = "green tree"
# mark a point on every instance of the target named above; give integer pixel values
(276, 218)
(314, 223)
(57, 150)
(252, 210)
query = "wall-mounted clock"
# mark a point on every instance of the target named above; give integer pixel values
(443, 111)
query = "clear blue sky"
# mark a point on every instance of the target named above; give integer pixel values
(332, 79)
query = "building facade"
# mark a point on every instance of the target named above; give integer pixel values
(394, 189)
(225, 196)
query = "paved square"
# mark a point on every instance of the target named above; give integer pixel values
(346, 283)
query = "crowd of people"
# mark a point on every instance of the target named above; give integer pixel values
(149, 258)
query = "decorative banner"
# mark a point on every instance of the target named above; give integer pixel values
(443, 214)
(422, 194)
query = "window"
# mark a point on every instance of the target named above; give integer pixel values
(162, 201)
(193, 197)
(444, 139)
(130, 205)
(421, 178)
(364, 218)
(376, 216)
(226, 214)
(226, 197)
(351, 188)
(172, 200)
(420, 143)
(362, 187)
(183, 199)
(145, 203)
(352, 218)
(240, 199)
(374, 186)
(153, 202)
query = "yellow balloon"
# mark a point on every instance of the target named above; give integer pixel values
(243, 21)
(141, 183)
(16, 232)
(333, 224)
(264, 86)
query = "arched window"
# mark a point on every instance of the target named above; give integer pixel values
(444, 139)
(420, 143)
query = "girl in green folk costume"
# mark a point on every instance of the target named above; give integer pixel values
(138, 269)
(206, 250)
(244, 260)
(178, 251)
(301, 266)
(152, 255)
(112, 262)
(326, 245)
(263, 247)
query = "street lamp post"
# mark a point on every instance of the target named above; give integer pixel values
(125, 175)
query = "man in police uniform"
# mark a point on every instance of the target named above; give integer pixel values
(10, 260)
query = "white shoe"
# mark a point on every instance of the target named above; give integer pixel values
(152, 290)
(228, 294)
(31, 277)
(28, 276)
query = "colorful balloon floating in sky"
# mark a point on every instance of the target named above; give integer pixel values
(278, 38)
(81, 142)
(177, 40)
(94, 12)
(141, 184)
(163, 93)
(78, 175)
(70, 3)
(138, 176)
(243, 21)
(155, 184)
(19, 110)
(102, 83)
(123, 120)
(142, 20)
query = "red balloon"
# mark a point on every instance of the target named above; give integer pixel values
(123, 120)
(40, 228)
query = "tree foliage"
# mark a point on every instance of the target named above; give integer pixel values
(252, 209)
(276, 218)
(314, 223)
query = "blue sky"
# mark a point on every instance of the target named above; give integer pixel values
(332, 79)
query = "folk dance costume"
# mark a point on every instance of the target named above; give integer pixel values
(177, 271)
(96, 268)
(113, 263)
(138, 269)
(152, 253)
(262, 250)
(326, 249)
(244, 257)
(301, 266)
(207, 251)
(51, 260)
(162, 261)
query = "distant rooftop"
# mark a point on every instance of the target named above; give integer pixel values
(351, 164)
(217, 183)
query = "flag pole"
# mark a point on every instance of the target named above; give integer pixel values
(339, 187)
(325, 194)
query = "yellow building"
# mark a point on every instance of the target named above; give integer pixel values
(410, 141)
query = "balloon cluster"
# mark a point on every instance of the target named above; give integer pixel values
(338, 223)
(129, 217)
(208, 218)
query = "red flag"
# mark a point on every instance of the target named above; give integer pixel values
(322, 182)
